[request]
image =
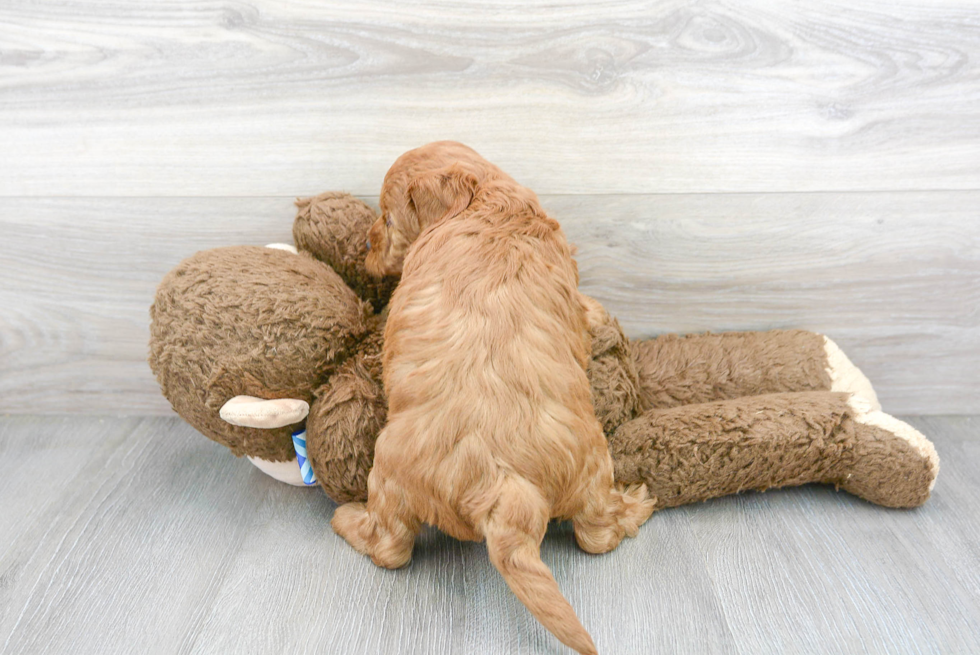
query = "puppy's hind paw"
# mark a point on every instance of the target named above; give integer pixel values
(352, 522)
(637, 506)
(622, 515)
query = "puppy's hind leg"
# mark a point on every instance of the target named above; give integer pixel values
(610, 512)
(385, 528)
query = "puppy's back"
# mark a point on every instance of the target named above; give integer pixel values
(487, 341)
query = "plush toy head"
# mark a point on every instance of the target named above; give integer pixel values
(266, 323)
(250, 321)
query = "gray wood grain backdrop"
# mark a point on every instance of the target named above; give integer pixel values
(721, 165)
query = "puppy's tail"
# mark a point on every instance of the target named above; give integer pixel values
(514, 530)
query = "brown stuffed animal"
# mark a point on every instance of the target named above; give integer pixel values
(248, 343)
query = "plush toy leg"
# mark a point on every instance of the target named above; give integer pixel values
(700, 368)
(695, 452)
(345, 419)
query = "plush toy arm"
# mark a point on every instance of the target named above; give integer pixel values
(333, 227)
(699, 368)
(695, 452)
(345, 420)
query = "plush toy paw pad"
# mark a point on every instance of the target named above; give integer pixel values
(251, 412)
(846, 377)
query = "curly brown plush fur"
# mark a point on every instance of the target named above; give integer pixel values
(707, 367)
(684, 415)
(348, 415)
(794, 431)
(330, 227)
(252, 321)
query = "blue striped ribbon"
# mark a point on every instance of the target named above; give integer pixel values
(305, 468)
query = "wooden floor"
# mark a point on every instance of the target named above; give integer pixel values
(123, 535)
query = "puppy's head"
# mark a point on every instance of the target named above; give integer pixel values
(425, 186)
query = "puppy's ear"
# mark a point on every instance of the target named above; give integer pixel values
(441, 194)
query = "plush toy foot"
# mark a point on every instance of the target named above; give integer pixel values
(251, 412)
(287, 472)
(892, 463)
(846, 377)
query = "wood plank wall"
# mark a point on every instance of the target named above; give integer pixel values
(720, 165)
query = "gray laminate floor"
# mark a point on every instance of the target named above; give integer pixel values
(130, 535)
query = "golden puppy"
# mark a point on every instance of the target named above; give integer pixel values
(490, 430)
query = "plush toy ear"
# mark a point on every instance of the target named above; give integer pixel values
(441, 194)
